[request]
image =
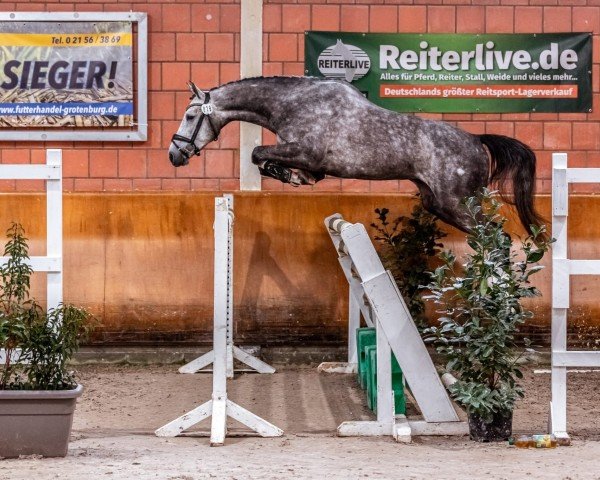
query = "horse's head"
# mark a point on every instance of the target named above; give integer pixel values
(196, 130)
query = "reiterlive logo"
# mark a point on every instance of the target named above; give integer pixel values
(343, 62)
(485, 57)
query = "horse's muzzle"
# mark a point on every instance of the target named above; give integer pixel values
(177, 159)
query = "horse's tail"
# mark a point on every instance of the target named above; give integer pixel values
(512, 159)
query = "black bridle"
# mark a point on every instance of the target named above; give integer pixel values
(206, 110)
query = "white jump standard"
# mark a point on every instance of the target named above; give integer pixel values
(396, 332)
(52, 262)
(220, 407)
(562, 269)
(233, 352)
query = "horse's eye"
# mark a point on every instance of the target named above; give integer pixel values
(189, 116)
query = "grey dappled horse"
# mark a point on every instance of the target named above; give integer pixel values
(327, 127)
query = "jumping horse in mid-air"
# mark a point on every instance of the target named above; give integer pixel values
(327, 127)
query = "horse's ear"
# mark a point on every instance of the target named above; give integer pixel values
(194, 89)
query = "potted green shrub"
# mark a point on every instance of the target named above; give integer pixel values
(482, 313)
(410, 243)
(37, 391)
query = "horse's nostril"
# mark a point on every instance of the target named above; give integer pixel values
(171, 157)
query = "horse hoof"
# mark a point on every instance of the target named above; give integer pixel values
(273, 170)
(295, 182)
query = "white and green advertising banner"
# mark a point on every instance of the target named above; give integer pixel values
(458, 72)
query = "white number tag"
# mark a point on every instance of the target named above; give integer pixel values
(207, 109)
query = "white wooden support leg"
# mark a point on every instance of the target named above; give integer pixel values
(385, 394)
(558, 406)
(356, 293)
(353, 325)
(218, 428)
(237, 353)
(403, 430)
(191, 418)
(199, 363)
(364, 429)
(250, 360)
(351, 366)
(246, 417)
(386, 408)
(558, 409)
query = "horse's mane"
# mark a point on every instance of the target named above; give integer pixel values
(295, 78)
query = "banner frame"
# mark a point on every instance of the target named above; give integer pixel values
(140, 133)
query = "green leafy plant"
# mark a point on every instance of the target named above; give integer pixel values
(15, 307)
(42, 342)
(410, 244)
(482, 311)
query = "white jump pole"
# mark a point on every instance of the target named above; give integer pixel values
(223, 283)
(220, 407)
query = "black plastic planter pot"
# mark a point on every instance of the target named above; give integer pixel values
(36, 422)
(498, 430)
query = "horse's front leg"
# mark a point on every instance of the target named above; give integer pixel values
(277, 161)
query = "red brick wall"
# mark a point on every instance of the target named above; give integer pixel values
(200, 41)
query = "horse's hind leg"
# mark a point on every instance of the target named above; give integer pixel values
(277, 161)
